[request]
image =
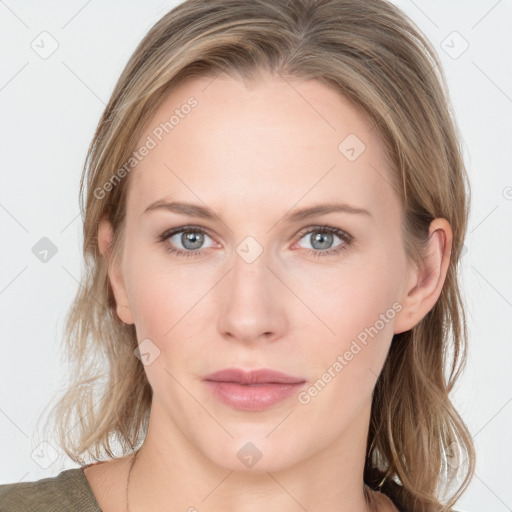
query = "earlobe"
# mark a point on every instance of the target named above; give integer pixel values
(105, 237)
(425, 282)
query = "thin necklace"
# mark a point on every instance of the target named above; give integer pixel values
(128, 479)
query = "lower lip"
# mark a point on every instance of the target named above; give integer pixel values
(252, 397)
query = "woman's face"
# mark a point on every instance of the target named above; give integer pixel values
(263, 281)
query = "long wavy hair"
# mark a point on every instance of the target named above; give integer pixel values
(375, 56)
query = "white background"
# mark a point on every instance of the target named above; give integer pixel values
(49, 109)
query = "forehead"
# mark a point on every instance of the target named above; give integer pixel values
(266, 144)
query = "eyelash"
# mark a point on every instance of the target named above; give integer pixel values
(344, 236)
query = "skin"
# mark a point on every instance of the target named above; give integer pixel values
(253, 152)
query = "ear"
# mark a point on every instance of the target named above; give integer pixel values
(424, 284)
(105, 237)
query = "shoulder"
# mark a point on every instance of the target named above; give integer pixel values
(67, 492)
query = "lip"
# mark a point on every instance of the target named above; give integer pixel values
(253, 390)
(263, 376)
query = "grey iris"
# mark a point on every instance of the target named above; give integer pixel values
(192, 240)
(324, 240)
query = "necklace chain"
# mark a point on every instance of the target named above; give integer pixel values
(132, 463)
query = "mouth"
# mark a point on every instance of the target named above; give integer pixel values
(254, 390)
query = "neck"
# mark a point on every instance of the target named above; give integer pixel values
(170, 473)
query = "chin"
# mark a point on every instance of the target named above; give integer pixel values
(254, 453)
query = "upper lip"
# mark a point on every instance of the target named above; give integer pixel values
(261, 376)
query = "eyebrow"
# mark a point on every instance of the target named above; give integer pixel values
(193, 210)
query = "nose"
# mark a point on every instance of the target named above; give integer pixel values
(252, 302)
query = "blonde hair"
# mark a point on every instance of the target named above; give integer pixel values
(377, 58)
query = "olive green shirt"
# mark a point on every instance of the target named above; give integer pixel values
(69, 491)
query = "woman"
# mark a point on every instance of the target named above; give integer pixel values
(275, 204)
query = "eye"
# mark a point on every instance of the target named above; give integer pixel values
(185, 241)
(322, 238)
(188, 241)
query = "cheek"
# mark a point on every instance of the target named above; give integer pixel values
(164, 314)
(344, 367)
(356, 305)
(160, 290)
(350, 297)
(168, 302)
